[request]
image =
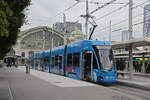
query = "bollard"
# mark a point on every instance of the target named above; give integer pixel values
(27, 70)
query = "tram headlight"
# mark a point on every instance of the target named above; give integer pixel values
(107, 77)
(100, 78)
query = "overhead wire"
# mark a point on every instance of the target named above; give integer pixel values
(119, 9)
(141, 22)
(97, 9)
(140, 5)
(70, 7)
(122, 21)
(112, 12)
(102, 6)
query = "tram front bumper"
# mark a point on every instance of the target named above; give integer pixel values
(107, 79)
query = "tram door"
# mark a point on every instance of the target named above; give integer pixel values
(53, 64)
(87, 66)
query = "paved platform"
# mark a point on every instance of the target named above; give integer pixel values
(142, 74)
(140, 80)
(15, 84)
(57, 80)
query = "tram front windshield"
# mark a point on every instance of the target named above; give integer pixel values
(105, 57)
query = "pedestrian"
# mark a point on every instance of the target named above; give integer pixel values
(136, 66)
(145, 67)
(139, 67)
(10, 62)
(27, 66)
(148, 68)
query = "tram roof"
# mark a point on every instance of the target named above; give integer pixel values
(89, 42)
(81, 43)
(58, 48)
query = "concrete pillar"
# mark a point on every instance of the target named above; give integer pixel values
(143, 63)
(130, 62)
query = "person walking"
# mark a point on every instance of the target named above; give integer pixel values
(136, 66)
(27, 66)
(148, 68)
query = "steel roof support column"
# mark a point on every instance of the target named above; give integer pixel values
(143, 63)
(130, 62)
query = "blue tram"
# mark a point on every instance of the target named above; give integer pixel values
(89, 60)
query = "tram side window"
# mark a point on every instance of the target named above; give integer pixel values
(46, 60)
(60, 62)
(94, 63)
(40, 61)
(76, 58)
(69, 60)
(56, 60)
(53, 61)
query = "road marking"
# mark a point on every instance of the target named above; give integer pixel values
(10, 92)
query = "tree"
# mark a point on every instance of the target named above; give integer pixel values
(12, 17)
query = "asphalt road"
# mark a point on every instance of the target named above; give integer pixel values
(139, 93)
(16, 85)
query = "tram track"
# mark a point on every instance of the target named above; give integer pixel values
(140, 93)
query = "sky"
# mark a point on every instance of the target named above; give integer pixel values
(43, 13)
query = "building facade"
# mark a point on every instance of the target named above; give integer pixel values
(37, 39)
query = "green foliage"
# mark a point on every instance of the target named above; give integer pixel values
(4, 12)
(12, 17)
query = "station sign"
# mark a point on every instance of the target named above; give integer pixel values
(146, 21)
(141, 59)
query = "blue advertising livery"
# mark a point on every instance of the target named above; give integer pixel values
(88, 60)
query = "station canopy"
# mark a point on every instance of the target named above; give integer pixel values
(139, 42)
